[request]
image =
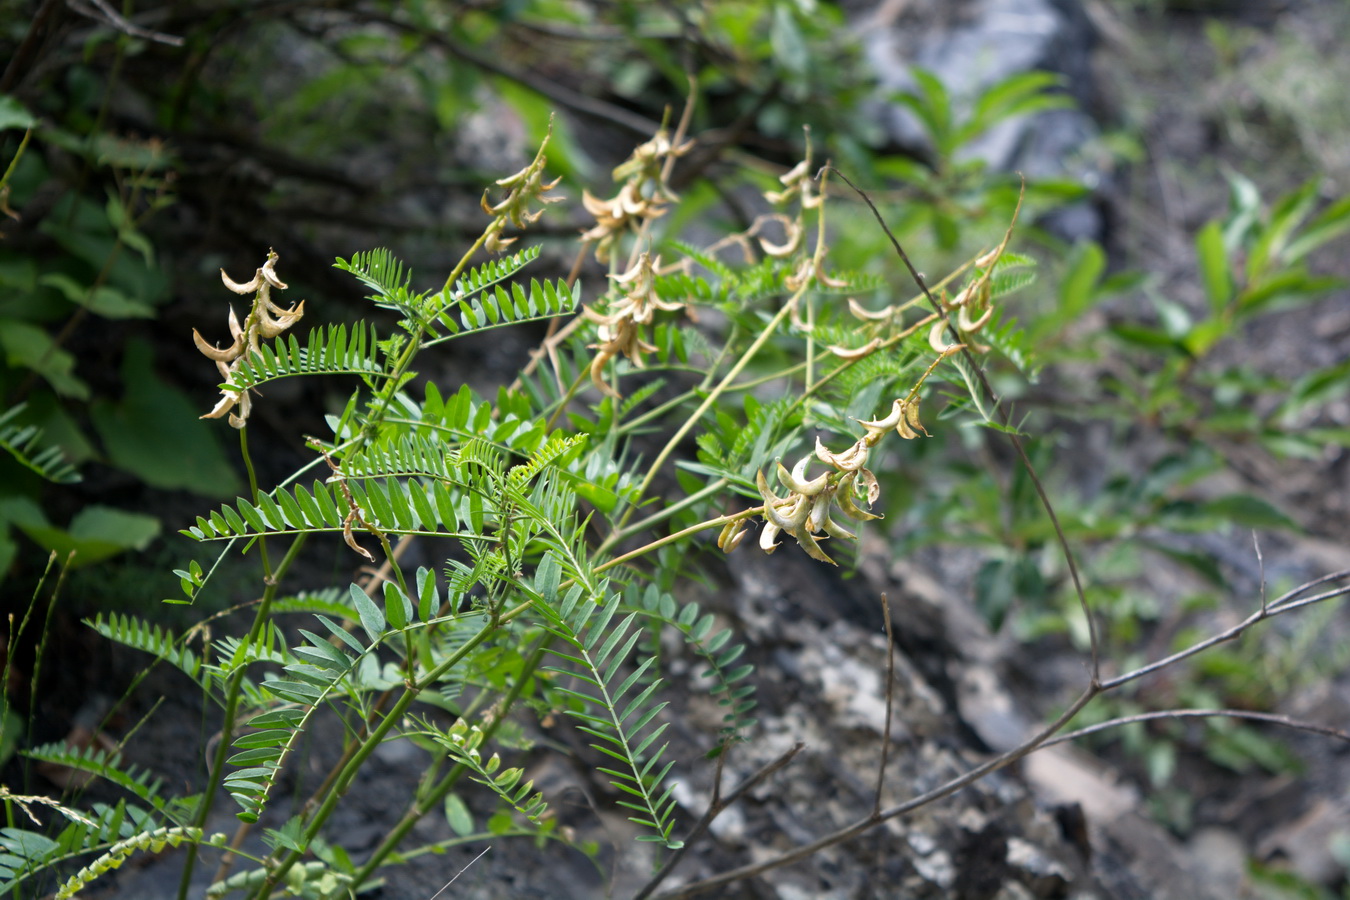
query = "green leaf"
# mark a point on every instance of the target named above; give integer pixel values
(1018, 95)
(1325, 226)
(1286, 288)
(397, 607)
(789, 48)
(95, 534)
(933, 106)
(25, 443)
(154, 432)
(500, 823)
(457, 815)
(428, 597)
(372, 620)
(1249, 512)
(30, 347)
(1214, 271)
(1244, 201)
(547, 578)
(14, 115)
(106, 301)
(1288, 213)
(1086, 265)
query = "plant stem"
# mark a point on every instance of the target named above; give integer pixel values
(665, 513)
(373, 740)
(712, 397)
(446, 784)
(271, 579)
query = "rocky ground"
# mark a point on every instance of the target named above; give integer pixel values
(1073, 821)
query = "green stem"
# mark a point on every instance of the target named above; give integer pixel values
(464, 262)
(712, 398)
(232, 693)
(679, 535)
(713, 488)
(437, 794)
(260, 619)
(373, 740)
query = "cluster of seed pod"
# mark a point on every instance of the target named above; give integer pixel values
(973, 304)
(807, 512)
(523, 188)
(265, 320)
(643, 194)
(621, 325)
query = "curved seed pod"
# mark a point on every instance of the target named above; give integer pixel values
(771, 502)
(601, 209)
(351, 539)
(245, 407)
(866, 314)
(227, 401)
(245, 288)
(990, 258)
(844, 497)
(794, 519)
(796, 482)
(269, 274)
(912, 417)
(768, 537)
(935, 337)
(851, 460)
(236, 330)
(856, 353)
(881, 426)
(808, 543)
(964, 323)
(598, 373)
(825, 278)
(961, 299)
(631, 203)
(820, 510)
(833, 529)
(213, 352)
(732, 534)
(270, 327)
(869, 483)
(793, 238)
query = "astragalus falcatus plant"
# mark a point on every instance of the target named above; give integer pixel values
(553, 504)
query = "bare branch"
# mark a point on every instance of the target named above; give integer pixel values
(1272, 718)
(1287, 602)
(461, 872)
(1283, 604)
(890, 702)
(714, 810)
(102, 11)
(863, 825)
(1009, 430)
(1261, 564)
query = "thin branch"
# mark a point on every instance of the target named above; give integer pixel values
(1261, 564)
(1283, 604)
(102, 11)
(1009, 431)
(21, 62)
(1271, 718)
(714, 810)
(890, 702)
(863, 825)
(550, 88)
(461, 872)
(1287, 602)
